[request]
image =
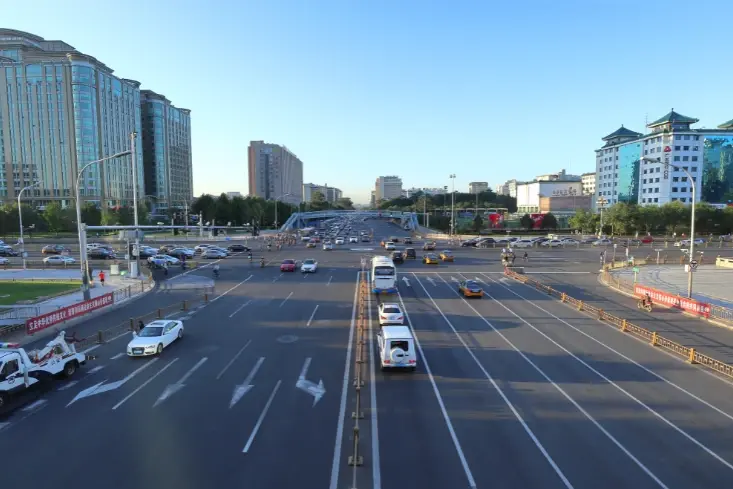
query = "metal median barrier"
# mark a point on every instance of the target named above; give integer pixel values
(360, 365)
(689, 354)
(104, 335)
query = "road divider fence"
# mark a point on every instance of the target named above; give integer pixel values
(360, 365)
(652, 337)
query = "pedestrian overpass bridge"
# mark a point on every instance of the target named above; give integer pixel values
(298, 220)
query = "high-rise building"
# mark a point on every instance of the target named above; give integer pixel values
(331, 194)
(167, 158)
(59, 110)
(638, 168)
(275, 173)
(589, 183)
(387, 188)
(478, 187)
(425, 190)
(501, 189)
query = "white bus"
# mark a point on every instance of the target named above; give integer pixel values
(384, 275)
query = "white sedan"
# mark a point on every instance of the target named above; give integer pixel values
(327, 246)
(390, 313)
(154, 338)
(59, 260)
(353, 239)
(553, 243)
(4, 261)
(170, 260)
(523, 243)
(339, 241)
(390, 246)
(309, 266)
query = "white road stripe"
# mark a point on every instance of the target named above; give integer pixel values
(91, 349)
(95, 369)
(5, 425)
(312, 315)
(68, 385)
(226, 367)
(329, 281)
(261, 418)
(144, 384)
(628, 359)
(227, 291)
(240, 308)
(121, 354)
(34, 405)
(344, 393)
(285, 300)
(493, 382)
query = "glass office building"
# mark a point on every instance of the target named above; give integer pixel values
(717, 177)
(59, 110)
(629, 162)
(166, 138)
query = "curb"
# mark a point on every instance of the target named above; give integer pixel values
(628, 294)
(76, 321)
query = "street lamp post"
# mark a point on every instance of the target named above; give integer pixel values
(692, 223)
(80, 227)
(20, 219)
(452, 204)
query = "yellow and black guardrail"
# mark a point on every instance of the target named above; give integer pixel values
(655, 339)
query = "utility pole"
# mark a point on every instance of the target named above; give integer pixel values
(201, 224)
(452, 204)
(185, 210)
(133, 156)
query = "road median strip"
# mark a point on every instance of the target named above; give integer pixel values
(691, 355)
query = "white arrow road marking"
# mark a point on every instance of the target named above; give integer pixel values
(453, 279)
(315, 390)
(144, 384)
(286, 300)
(121, 354)
(310, 320)
(101, 387)
(262, 418)
(240, 308)
(430, 279)
(406, 280)
(173, 388)
(233, 360)
(243, 388)
(329, 280)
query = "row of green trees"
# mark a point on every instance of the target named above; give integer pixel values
(247, 211)
(419, 201)
(670, 218)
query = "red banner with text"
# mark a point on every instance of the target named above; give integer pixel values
(671, 300)
(48, 320)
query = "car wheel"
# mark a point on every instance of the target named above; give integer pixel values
(180, 334)
(160, 349)
(70, 369)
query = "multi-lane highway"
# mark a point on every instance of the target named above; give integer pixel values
(512, 390)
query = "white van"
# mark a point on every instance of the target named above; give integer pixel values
(396, 347)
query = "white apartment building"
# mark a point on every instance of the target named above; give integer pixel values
(274, 173)
(529, 194)
(501, 189)
(478, 187)
(425, 190)
(636, 168)
(589, 183)
(561, 175)
(387, 188)
(331, 194)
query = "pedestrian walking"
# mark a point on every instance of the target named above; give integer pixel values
(140, 325)
(101, 277)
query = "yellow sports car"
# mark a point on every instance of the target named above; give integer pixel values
(469, 288)
(430, 259)
(446, 255)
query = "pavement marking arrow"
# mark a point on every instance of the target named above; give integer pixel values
(142, 386)
(430, 279)
(316, 390)
(243, 388)
(479, 280)
(453, 279)
(406, 280)
(102, 387)
(173, 388)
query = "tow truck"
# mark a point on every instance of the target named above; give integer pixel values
(21, 370)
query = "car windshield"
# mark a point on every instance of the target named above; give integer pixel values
(384, 271)
(288, 262)
(471, 284)
(447, 252)
(309, 262)
(391, 310)
(151, 331)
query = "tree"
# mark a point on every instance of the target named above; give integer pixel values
(55, 218)
(648, 218)
(477, 223)
(549, 221)
(222, 210)
(109, 217)
(345, 203)
(318, 201)
(205, 205)
(584, 221)
(526, 221)
(91, 215)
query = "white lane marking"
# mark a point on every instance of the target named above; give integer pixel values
(5, 425)
(628, 359)
(261, 418)
(34, 405)
(240, 308)
(121, 354)
(173, 388)
(621, 389)
(233, 360)
(329, 281)
(95, 369)
(305, 275)
(312, 315)
(227, 291)
(103, 387)
(285, 300)
(335, 465)
(277, 278)
(562, 391)
(118, 336)
(242, 389)
(376, 468)
(144, 384)
(493, 382)
(68, 385)
(90, 349)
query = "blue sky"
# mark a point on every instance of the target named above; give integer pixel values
(488, 90)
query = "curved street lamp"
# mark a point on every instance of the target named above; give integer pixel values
(20, 219)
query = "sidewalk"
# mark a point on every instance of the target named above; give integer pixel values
(710, 284)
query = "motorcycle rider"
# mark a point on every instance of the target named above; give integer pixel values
(262, 262)
(216, 270)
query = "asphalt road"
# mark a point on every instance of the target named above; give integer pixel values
(512, 390)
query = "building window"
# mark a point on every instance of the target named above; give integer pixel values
(684, 179)
(645, 180)
(656, 190)
(694, 168)
(677, 138)
(674, 190)
(674, 199)
(656, 180)
(695, 148)
(687, 148)
(682, 199)
(685, 168)
(676, 158)
(643, 191)
(658, 169)
(646, 152)
(644, 172)
(675, 179)
(685, 158)
(694, 158)
(656, 200)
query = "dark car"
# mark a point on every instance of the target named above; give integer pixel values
(101, 254)
(407, 240)
(238, 248)
(469, 243)
(180, 253)
(410, 253)
(398, 257)
(365, 239)
(54, 249)
(394, 239)
(7, 251)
